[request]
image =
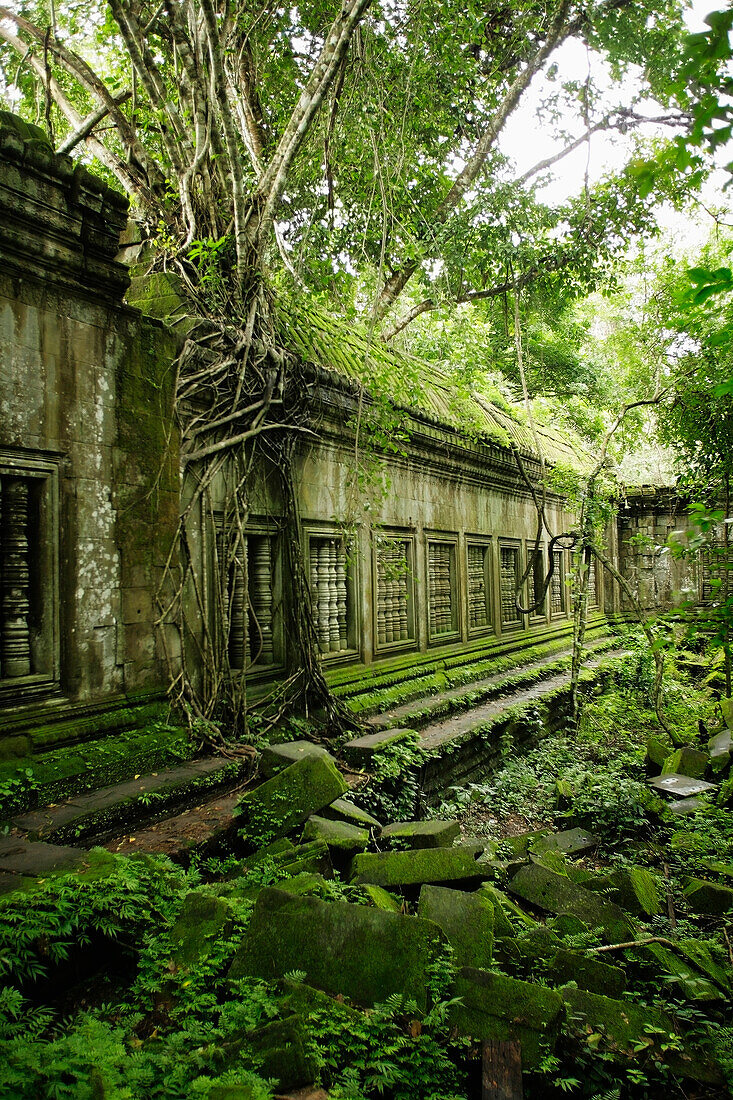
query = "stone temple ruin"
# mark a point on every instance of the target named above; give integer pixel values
(415, 614)
(91, 489)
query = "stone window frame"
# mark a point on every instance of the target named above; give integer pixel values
(316, 529)
(505, 543)
(397, 534)
(261, 527)
(539, 616)
(597, 582)
(487, 542)
(563, 614)
(43, 468)
(450, 539)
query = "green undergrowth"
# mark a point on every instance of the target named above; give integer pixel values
(175, 1026)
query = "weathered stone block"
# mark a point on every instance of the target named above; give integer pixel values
(423, 834)
(557, 894)
(381, 898)
(624, 1025)
(686, 761)
(415, 867)
(637, 891)
(680, 786)
(344, 810)
(658, 749)
(361, 952)
(361, 750)
(336, 834)
(507, 913)
(498, 1008)
(719, 747)
(689, 980)
(570, 841)
(708, 897)
(282, 1054)
(202, 919)
(276, 757)
(466, 919)
(587, 973)
(289, 798)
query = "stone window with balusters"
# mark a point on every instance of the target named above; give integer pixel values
(395, 620)
(250, 569)
(28, 571)
(442, 588)
(331, 595)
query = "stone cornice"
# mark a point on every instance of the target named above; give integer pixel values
(59, 224)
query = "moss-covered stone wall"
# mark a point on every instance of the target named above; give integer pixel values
(86, 393)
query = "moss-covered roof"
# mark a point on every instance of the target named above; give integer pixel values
(416, 385)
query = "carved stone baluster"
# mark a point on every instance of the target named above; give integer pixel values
(509, 613)
(333, 607)
(261, 597)
(238, 641)
(402, 631)
(324, 628)
(341, 596)
(315, 606)
(389, 597)
(15, 571)
(476, 586)
(381, 596)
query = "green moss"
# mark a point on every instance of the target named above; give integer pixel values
(289, 798)
(466, 919)
(417, 866)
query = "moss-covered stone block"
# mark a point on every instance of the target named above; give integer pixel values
(289, 798)
(508, 916)
(555, 893)
(382, 899)
(658, 748)
(281, 1051)
(688, 979)
(498, 1008)
(686, 761)
(276, 757)
(533, 946)
(719, 748)
(708, 897)
(336, 834)
(569, 842)
(637, 891)
(416, 867)
(343, 810)
(625, 1028)
(422, 834)
(587, 973)
(466, 919)
(203, 919)
(361, 952)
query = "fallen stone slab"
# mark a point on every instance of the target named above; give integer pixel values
(423, 834)
(623, 1025)
(686, 760)
(288, 799)
(587, 973)
(555, 893)
(343, 810)
(360, 752)
(416, 867)
(276, 757)
(680, 786)
(686, 806)
(524, 952)
(570, 841)
(708, 897)
(466, 919)
(358, 951)
(494, 1007)
(519, 846)
(336, 834)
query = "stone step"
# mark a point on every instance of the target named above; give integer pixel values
(439, 733)
(200, 828)
(418, 712)
(102, 813)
